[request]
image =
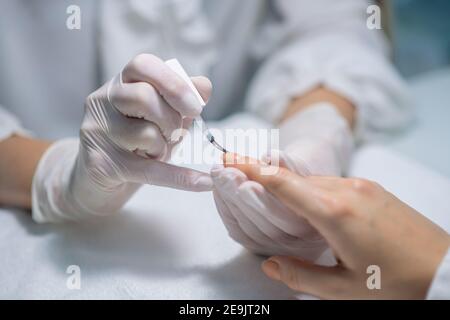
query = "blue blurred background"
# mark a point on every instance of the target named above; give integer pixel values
(421, 33)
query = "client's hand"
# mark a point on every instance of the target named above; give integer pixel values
(316, 141)
(365, 226)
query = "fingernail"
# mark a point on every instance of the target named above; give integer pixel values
(266, 159)
(230, 158)
(272, 269)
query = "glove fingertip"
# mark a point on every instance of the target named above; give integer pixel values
(203, 183)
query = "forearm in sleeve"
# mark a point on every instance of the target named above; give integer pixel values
(19, 157)
(333, 49)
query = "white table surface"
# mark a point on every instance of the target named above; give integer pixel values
(428, 141)
(172, 244)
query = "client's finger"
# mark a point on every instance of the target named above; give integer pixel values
(320, 281)
(300, 195)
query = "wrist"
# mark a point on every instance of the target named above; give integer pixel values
(322, 95)
(18, 161)
(320, 137)
(65, 187)
(50, 181)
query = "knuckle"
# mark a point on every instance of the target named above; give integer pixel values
(364, 186)
(150, 133)
(337, 207)
(176, 90)
(292, 279)
(278, 179)
(143, 60)
(117, 97)
(142, 94)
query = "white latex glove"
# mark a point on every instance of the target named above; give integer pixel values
(125, 139)
(315, 142)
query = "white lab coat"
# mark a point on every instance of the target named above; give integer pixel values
(259, 54)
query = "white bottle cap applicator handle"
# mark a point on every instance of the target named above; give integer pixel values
(178, 68)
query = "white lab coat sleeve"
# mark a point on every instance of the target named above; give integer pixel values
(10, 125)
(440, 287)
(327, 43)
